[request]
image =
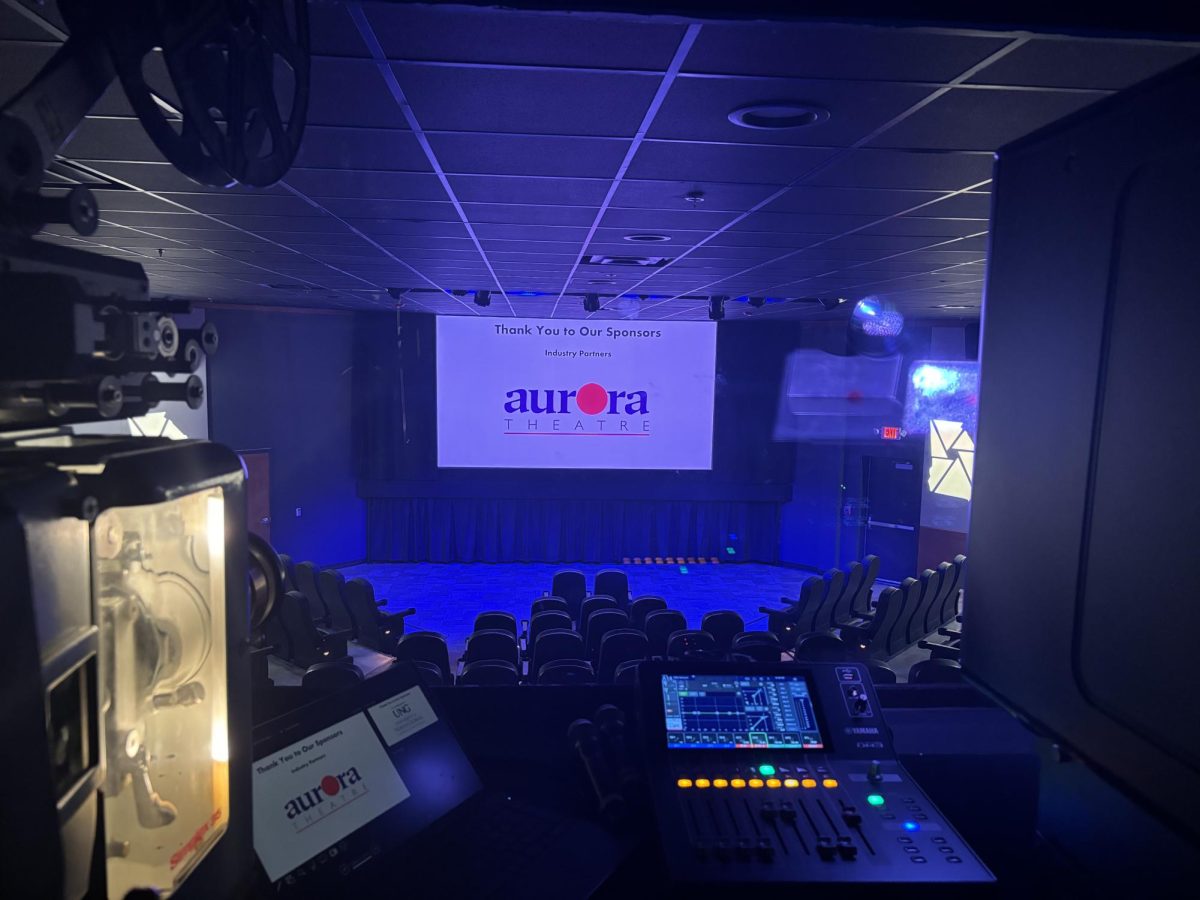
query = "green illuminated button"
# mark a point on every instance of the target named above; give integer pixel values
(766, 770)
(875, 799)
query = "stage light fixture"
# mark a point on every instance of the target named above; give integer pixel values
(716, 307)
(483, 298)
(830, 302)
(756, 302)
(591, 303)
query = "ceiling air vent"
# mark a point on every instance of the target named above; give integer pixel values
(650, 262)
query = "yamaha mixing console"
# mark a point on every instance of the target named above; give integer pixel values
(780, 774)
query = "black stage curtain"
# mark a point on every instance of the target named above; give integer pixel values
(475, 515)
(487, 529)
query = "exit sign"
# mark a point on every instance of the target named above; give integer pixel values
(890, 432)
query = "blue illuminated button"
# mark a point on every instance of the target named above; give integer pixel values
(766, 770)
(911, 826)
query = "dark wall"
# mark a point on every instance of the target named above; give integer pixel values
(396, 459)
(282, 381)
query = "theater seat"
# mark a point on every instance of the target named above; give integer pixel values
(329, 586)
(626, 672)
(289, 572)
(860, 603)
(840, 612)
(881, 674)
(660, 625)
(553, 645)
(306, 584)
(822, 618)
(544, 621)
(571, 585)
(489, 672)
(613, 583)
(494, 643)
(372, 628)
(546, 604)
(431, 672)
(935, 671)
(820, 646)
(642, 607)
(692, 644)
(425, 646)
(598, 624)
(590, 605)
(308, 645)
(876, 635)
(566, 671)
(619, 646)
(722, 624)
(760, 646)
(328, 677)
(914, 628)
(504, 621)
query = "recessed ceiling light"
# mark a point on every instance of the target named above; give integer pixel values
(647, 238)
(607, 281)
(778, 114)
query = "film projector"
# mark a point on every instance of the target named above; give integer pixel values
(131, 586)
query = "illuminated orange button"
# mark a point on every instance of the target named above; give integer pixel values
(684, 783)
(720, 783)
(830, 782)
(756, 782)
(791, 782)
(703, 783)
(809, 783)
(738, 783)
(774, 783)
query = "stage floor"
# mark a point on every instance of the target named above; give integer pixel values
(447, 596)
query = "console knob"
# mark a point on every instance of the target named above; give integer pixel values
(875, 772)
(825, 849)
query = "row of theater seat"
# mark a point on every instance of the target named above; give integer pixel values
(320, 611)
(904, 615)
(826, 602)
(841, 601)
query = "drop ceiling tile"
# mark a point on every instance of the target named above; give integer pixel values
(502, 154)
(526, 102)
(740, 164)
(1099, 64)
(905, 170)
(981, 120)
(543, 191)
(351, 93)
(811, 50)
(463, 34)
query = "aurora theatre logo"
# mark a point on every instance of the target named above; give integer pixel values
(606, 411)
(332, 792)
(951, 459)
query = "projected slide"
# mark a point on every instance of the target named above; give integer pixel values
(573, 394)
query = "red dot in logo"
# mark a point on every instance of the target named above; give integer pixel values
(330, 786)
(591, 399)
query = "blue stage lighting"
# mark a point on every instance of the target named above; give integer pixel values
(875, 318)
